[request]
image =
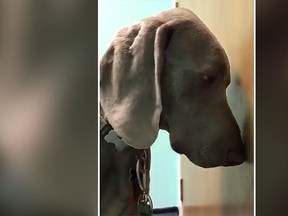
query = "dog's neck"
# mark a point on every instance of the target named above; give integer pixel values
(118, 195)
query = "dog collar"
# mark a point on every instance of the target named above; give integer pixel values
(110, 135)
(141, 171)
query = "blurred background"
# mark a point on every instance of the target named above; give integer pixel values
(271, 109)
(48, 107)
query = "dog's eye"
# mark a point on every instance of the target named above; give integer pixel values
(210, 79)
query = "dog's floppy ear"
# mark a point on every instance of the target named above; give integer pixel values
(130, 74)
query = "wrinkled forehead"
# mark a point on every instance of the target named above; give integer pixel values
(193, 46)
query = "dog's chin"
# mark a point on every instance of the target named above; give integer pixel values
(202, 163)
(176, 147)
(212, 164)
(207, 164)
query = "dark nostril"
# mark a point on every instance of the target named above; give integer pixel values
(236, 156)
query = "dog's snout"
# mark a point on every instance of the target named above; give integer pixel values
(235, 156)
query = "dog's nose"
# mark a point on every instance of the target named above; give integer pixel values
(236, 156)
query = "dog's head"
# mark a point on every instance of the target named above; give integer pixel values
(170, 72)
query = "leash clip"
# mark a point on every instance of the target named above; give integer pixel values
(142, 173)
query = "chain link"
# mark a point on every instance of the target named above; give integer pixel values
(143, 178)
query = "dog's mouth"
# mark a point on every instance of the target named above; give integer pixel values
(233, 157)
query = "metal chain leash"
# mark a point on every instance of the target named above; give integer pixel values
(145, 204)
